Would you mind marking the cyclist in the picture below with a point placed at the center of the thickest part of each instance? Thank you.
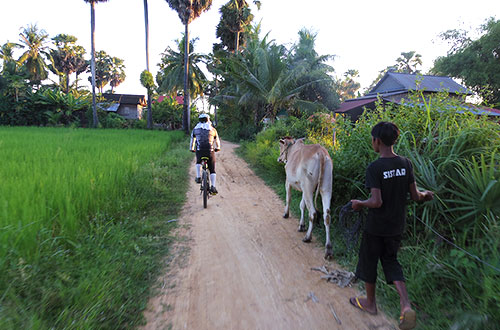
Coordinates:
(205, 142)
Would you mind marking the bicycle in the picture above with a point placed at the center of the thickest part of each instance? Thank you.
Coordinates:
(205, 181)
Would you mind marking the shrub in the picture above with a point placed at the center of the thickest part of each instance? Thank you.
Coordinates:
(456, 155)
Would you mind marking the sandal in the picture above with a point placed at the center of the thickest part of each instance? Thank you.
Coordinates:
(355, 302)
(408, 320)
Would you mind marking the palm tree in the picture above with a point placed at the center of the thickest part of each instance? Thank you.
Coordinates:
(32, 59)
(348, 87)
(261, 82)
(95, 121)
(103, 70)
(81, 65)
(235, 16)
(7, 52)
(66, 58)
(146, 23)
(264, 79)
(170, 77)
(188, 10)
(117, 72)
(13, 76)
(320, 90)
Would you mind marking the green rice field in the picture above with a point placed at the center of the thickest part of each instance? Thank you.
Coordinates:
(82, 222)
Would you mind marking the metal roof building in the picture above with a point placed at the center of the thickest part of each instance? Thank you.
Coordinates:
(394, 87)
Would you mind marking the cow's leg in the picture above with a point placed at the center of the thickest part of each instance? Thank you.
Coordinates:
(325, 199)
(302, 227)
(288, 199)
(308, 197)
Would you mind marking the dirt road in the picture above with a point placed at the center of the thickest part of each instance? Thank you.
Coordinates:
(240, 265)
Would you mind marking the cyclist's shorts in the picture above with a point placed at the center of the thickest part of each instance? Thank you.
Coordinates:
(211, 159)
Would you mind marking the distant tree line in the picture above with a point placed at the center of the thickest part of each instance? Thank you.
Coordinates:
(254, 79)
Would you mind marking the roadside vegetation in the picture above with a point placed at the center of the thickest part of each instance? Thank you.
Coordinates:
(454, 154)
(83, 223)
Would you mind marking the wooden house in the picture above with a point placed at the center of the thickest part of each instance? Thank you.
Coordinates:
(394, 87)
(126, 105)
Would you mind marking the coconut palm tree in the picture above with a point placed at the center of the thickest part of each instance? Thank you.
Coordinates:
(170, 77)
(7, 52)
(12, 74)
(32, 59)
(95, 121)
(321, 93)
(265, 79)
(188, 10)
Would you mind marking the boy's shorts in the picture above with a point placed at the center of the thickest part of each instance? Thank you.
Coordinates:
(374, 248)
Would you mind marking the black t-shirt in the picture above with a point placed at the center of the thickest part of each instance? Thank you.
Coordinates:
(393, 177)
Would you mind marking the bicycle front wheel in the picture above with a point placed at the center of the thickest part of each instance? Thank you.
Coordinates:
(204, 183)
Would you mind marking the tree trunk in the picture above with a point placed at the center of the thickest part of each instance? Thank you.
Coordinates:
(67, 82)
(215, 106)
(186, 115)
(95, 121)
(146, 21)
(237, 42)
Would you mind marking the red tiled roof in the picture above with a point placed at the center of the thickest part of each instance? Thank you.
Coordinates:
(178, 98)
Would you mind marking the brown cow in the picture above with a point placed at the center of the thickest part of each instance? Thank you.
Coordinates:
(308, 169)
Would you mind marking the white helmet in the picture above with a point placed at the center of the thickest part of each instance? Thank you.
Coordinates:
(203, 115)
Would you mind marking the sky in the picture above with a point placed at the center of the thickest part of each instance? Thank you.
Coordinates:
(364, 35)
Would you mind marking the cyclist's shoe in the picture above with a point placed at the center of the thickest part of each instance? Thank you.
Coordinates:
(197, 180)
(213, 191)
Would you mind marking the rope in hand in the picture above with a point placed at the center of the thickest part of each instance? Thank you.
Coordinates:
(351, 223)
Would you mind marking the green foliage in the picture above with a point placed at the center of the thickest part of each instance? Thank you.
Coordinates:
(67, 59)
(167, 113)
(454, 154)
(33, 59)
(347, 87)
(83, 232)
(147, 80)
(113, 120)
(265, 79)
(235, 17)
(188, 10)
(481, 72)
(170, 77)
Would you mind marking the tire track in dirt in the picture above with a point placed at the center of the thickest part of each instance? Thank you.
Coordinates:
(247, 267)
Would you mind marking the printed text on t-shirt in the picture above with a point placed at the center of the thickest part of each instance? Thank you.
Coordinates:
(393, 173)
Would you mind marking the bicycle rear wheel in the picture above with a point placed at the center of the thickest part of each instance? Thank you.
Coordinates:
(204, 183)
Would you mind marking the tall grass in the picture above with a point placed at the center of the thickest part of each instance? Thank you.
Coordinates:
(454, 154)
(82, 223)
(55, 179)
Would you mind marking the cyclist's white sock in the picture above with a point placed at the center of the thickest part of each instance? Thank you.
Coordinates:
(198, 170)
(212, 179)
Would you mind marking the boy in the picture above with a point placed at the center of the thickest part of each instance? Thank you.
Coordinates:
(390, 179)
